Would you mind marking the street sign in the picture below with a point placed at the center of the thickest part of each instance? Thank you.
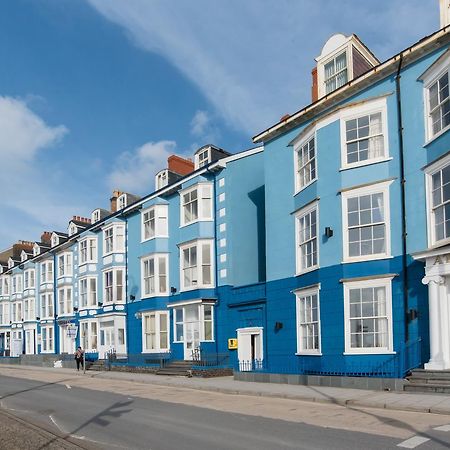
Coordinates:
(72, 330)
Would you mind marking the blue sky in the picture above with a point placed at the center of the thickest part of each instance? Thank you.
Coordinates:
(95, 94)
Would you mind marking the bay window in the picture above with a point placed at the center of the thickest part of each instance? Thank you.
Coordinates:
(196, 203)
(114, 238)
(88, 292)
(155, 222)
(154, 269)
(65, 265)
(196, 264)
(88, 250)
(113, 285)
(65, 305)
(155, 332)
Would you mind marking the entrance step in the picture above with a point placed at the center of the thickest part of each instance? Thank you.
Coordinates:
(422, 380)
(98, 365)
(176, 368)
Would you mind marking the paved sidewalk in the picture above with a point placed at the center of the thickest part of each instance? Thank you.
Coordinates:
(403, 401)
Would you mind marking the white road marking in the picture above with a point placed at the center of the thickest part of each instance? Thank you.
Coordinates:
(442, 428)
(56, 425)
(413, 442)
(68, 387)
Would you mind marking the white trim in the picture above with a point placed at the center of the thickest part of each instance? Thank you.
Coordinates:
(114, 270)
(156, 275)
(375, 188)
(385, 282)
(298, 215)
(88, 279)
(199, 257)
(157, 331)
(161, 222)
(202, 215)
(298, 145)
(378, 105)
(301, 293)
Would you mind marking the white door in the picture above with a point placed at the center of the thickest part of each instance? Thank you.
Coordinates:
(30, 348)
(107, 340)
(250, 348)
(67, 344)
(191, 331)
(16, 343)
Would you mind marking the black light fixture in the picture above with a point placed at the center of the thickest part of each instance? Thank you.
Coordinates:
(173, 289)
(38, 318)
(132, 297)
(278, 326)
(100, 304)
(75, 308)
(328, 232)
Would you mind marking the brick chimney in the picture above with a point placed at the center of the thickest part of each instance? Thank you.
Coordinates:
(46, 237)
(22, 245)
(179, 165)
(82, 219)
(314, 86)
(115, 195)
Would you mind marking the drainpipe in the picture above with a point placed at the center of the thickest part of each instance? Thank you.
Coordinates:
(216, 267)
(403, 197)
(127, 333)
(55, 292)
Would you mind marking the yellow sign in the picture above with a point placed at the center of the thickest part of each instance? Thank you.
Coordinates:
(232, 344)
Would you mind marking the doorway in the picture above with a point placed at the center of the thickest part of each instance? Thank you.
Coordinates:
(250, 348)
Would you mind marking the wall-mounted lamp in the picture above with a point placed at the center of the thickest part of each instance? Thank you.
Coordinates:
(138, 315)
(75, 308)
(100, 304)
(412, 314)
(278, 326)
(56, 316)
(173, 289)
(328, 232)
(132, 297)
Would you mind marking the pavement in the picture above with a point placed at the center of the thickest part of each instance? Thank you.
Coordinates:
(400, 401)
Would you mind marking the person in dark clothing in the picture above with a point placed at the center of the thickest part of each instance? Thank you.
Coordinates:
(79, 357)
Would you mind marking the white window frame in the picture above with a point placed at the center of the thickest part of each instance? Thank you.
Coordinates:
(87, 338)
(298, 245)
(332, 58)
(72, 229)
(429, 172)
(117, 237)
(88, 250)
(156, 332)
(66, 268)
(65, 301)
(201, 319)
(160, 219)
(160, 289)
(162, 179)
(91, 294)
(298, 147)
(203, 215)
(46, 275)
(29, 279)
(201, 160)
(54, 240)
(121, 202)
(114, 286)
(47, 305)
(30, 309)
(95, 216)
(386, 283)
(300, 295)
(17, 284)
(46, 339)
(199, 266)
(431, 77)
(378, 188)
(356, 112)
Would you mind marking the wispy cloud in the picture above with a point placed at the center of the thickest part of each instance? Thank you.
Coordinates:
(252, 59)
(134, 171)
(32, 197)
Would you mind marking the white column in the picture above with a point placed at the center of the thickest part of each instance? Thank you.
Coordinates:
(435, 319)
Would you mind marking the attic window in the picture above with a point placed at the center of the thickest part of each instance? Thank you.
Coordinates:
(336, 74)
(55, 240)
(10, 263)
(95, 216)
(122, 201)
(72, 229)
(161, 179)
(36, 250)
(203, 158)
(23, 257)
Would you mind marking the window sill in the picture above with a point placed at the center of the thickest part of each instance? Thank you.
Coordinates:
(298, 190)
(187, 289)
(439, 244)
(166, 236)
(308, 354)
(310, 269)
(153, 352)
(85, 263)
(150, 296)
(437, 135)
(369, 353)
(210, 219)
(366, 259)
(365, 163)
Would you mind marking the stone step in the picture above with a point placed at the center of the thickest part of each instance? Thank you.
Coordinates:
(441, 381)
(427, 387)
(422, 373)
(180, 373)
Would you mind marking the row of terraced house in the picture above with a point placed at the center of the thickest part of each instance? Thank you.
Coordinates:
(322, 250)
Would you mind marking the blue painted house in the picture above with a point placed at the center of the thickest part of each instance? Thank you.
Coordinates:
(323, 250)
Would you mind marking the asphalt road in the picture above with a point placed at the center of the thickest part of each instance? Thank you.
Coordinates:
(101, 419)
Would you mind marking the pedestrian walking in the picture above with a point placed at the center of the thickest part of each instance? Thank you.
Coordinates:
(79, 357)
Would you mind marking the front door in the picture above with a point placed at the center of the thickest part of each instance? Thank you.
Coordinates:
(107, 341)
(67, 343)
(250, 348)
(30, 342)
(191, 332)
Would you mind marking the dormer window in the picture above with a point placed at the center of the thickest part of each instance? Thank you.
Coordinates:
(162, 179)
(336, 72)
(23, 256)
(203, 158)
(342, 59)
(122, 201)
(72, 229)
(10, 263)
(95, 217)
(55, 240)
(36, 250)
